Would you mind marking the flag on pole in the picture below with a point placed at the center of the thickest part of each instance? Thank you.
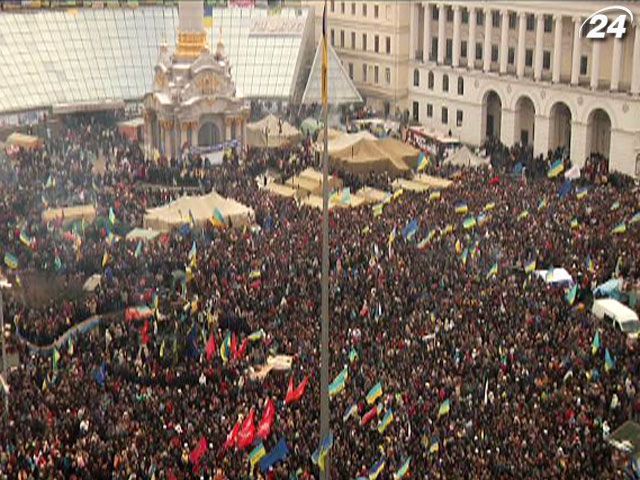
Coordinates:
(574, 223)
(25, 239)
(609, 363)
(591, 267)
(377, 468)
(403, 470)
(349, 412)
(386, 421)
(581, 193)
(461, 208)
(105, 259)
(489, 206)
(377, 209)
(469, 222)
(338, 383)
(493, 271)
(635, 218)
(56, 359)
(138, 251)
(423, 162)
(595, 344)
(530, 267)
(325, 59)
(11, 260)
(353, 355)
(374, 393)
(112, 216)
(571, 294)
(620, 228)
(218, 219)
(256, 455)
(556, 169)
(392, 236)
(257, 335)
(444, 408)
(524, 214)
(320, 455)
(542, 204)
(225, 348)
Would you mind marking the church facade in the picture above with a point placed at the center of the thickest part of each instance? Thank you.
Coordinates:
(194, 101)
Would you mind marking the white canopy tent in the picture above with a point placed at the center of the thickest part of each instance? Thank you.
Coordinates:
(463, 157)
(555, 276)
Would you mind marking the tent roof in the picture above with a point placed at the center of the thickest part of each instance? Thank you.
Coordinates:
(282, 190)
(145, 234)
(23, 140)
(372, 195)
(344, 140)
(369, 155)
(409, 185)
(432, 182)
(464, 157)
(266, 132)
(341, 88)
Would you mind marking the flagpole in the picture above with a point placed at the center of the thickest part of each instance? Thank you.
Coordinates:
(324, 342)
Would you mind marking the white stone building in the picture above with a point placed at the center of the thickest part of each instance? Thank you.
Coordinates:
(524, 71)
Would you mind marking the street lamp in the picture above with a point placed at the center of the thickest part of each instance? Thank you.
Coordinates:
(4, 284)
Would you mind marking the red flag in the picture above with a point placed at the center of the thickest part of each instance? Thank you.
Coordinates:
(232, 436)
(242, 350)
(268, 418)
(295, 395)
(247, 432)
(494, 181)
(197, 453)
(234, 346)
(211, 347)
(144, 333)
(370, 415)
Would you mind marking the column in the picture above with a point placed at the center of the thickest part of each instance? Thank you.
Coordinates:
(504, 41)
(413, 31)
(541, 137)
(486, 67)
(579, 149)
(442, 40)
(426, 41)
(522, 26)
(471, 43)
(508, 127)
(595, 64)
(635, 75)
(557, 49)
(537, 58)
(455, 51)
(227, 129)
(577, 51)
(616, 64)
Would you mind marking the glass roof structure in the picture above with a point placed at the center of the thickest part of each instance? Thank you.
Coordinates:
(84, 56)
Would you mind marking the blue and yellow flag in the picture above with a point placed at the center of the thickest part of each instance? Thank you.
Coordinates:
(423, 162)
(194, 251)
(574, 223)
(609, 362)
(635, 218)
(444, 408)
(530, 267)
(524, 214)
(571, 294)
(620, 228)
(11, 260)
(225, 348)
(461, 208)
(591, 267)
(56, 359)
(493, 271)
(581, 193)
(25, 239)
(374, 393)
(469, 222)
(349, 412)
(595, 344)
(138, 251)
(403, 470)
(435, 195)
(489, 206)
(338, 383)
(392, 236)
(218, 219)
(377, 468)
(325, 59)
(435, 445)
(112, 216)
(208, 16)
(353, 355)
(542, 204)
(556, 169)
(256, 454)
(386, 421)
(257, 335)
(320, 455)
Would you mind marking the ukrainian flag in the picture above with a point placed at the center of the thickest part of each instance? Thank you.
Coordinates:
(489, 206)
(352, 410)
(11, 260)
(444, 408)
(556, 169)
(575, 223)
(435, 445)
(397, 193)
(595, 344)
(581, 193)
(112, 216)
(392, 236)
(571, 295)
(218, 219)
(635, 218)
(374, 393)
(431, 235)
(469, 223)
(481, 219)
(194, 250)
(320, 455)
(338, 383)
(403, 470)
(257, 335)
(377, 468)
(105, 259)
(208, 16)
(386, 421)
(353, 355)
(225, 348)
(530, 267)
(448, 229)
(435, 195)
(465, 255)
(524, 214)
(493, 271)
(256, 454)
(423, 162)
(590, 265)
(620, 228)
(609, 363)
(462, 208)
(24, 238)
(542, 204)
(377, 209)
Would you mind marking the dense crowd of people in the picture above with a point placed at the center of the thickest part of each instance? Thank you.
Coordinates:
(440, 316)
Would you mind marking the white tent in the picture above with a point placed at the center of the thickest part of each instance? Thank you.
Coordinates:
(341, 89)
(201, 208)
(271, 132)
(555, 276)
(463, 157)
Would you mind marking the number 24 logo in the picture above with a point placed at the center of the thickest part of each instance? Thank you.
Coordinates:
(603, 27)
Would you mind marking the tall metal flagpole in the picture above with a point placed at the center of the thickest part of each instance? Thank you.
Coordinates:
(324, 342)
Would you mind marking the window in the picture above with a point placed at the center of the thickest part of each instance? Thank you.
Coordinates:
(388, 45)
(364, 9)
(445, 115)
(351, 70)
(546, 60)
(342, 7)
(494, 53)
(460, 86)
(341, 38)
(480, 18)
(376, 78)
(353, 8)
(434, 48)
(416, 78)
(429, 110)
(376, 43)
(435, 13)
(513, 19)
(430, 81)
(511, 56)
(353, 40)
(465, 16)
(449, 14)
(459, 118)
(364, 72)
(478, 51)
(584, 63)
(448, 51)
(531, 23)
(416, 111)
(364, 41)
(333, 6)
(638, 165)
(528, 57)
(495, 19)
(376, 11)
(333, 38)
(548, 23)
(387, 75)
(463, 49)
(445, 83)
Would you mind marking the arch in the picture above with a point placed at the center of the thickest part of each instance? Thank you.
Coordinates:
(209, 134)
(525, 119)
(460, 86)
(491, 115)
(430, 81)
(560, 118)
(445, 83)
(599, 133)
(416, 78)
